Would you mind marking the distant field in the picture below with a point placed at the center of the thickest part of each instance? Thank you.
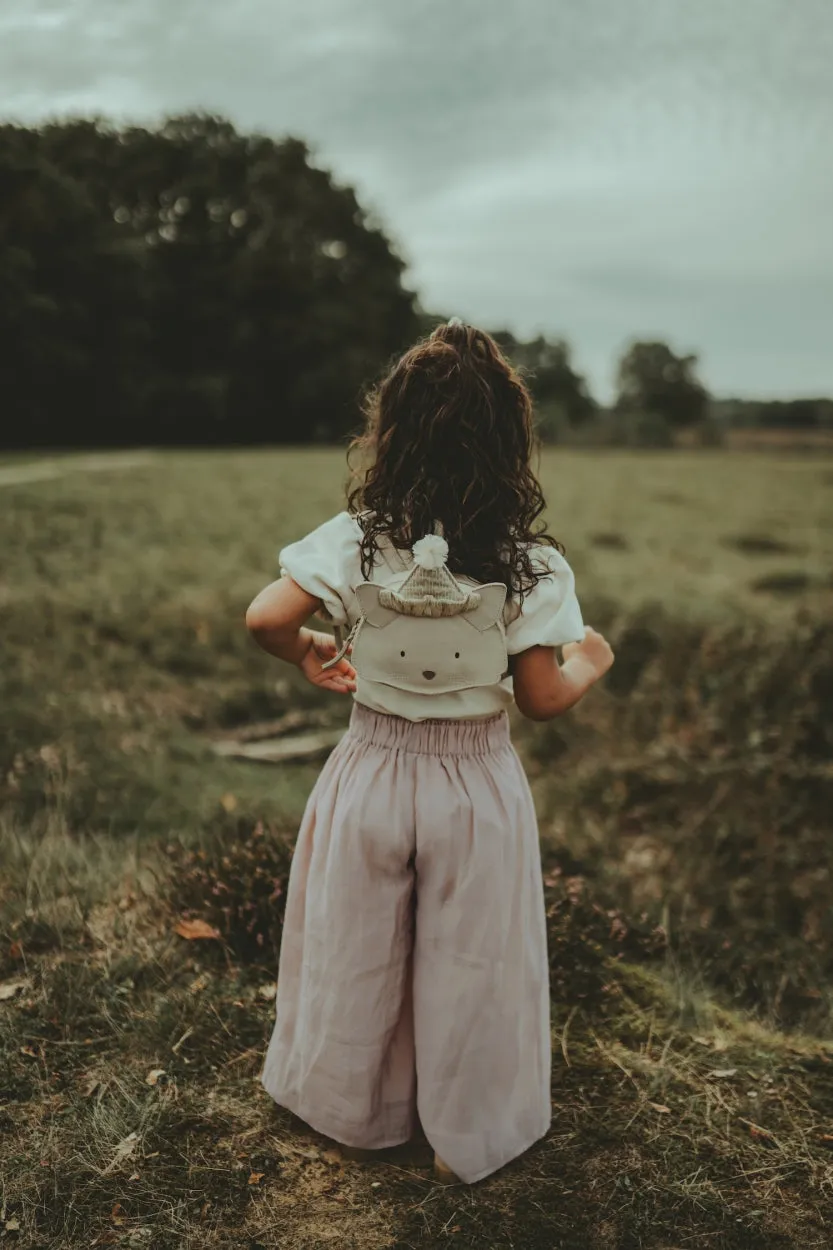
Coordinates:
(696, 532)
(122, 596)
(819, 441)
(685, 828)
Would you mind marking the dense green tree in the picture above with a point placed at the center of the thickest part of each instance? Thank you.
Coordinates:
(653, 380)
(548, 370)
(58, 285)
(186, 284)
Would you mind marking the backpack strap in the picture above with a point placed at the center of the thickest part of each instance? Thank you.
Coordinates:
(342, 644)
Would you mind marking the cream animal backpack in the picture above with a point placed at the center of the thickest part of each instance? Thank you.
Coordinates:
(431, 634)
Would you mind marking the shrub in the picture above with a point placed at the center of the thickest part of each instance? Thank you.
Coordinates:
(239, 889)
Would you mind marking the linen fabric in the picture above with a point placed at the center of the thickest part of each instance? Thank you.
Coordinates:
(413, 972)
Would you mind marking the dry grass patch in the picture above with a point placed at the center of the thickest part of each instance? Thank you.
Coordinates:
(133, 1115)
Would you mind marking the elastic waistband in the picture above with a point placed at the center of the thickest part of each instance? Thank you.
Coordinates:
(430, 737)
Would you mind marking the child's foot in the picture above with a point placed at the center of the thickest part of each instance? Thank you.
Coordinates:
(443, 1173)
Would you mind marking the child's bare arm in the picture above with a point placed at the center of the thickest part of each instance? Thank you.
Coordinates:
(276, 619)
(545, 689)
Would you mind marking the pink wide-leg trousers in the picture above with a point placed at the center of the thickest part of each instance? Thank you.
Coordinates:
(413, 970)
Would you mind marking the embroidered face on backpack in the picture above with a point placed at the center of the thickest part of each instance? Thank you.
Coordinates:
(432, 635)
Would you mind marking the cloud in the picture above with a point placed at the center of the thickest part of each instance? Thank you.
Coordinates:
(591, 168)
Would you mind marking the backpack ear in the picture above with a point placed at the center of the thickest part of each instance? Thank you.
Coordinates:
(373, 612)
(492, 599)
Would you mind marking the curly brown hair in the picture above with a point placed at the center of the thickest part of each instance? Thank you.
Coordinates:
(449, 437)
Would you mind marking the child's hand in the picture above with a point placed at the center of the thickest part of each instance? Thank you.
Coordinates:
(341, 677)
(593, 651)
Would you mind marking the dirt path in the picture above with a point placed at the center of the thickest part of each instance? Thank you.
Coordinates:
(97, 462)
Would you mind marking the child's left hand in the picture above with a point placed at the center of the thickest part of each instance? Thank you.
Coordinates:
(340, 678)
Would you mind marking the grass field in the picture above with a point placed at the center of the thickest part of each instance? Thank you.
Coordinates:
(685, 820)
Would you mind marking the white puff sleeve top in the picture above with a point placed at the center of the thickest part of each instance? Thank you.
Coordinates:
(550, 614)
(326, 563)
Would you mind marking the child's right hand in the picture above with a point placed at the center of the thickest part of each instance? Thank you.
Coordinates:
(594, 650)
(341, 677)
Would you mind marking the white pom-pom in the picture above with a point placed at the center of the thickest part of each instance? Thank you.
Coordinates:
(430, 552)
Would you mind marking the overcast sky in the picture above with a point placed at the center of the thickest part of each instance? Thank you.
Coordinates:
(598, 169)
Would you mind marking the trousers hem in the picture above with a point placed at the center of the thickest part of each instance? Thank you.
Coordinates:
(336, 1130)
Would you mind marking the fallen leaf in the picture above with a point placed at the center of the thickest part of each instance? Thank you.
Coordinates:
(268, 992)
(31, 1052)
(724, 1072)
(199, 983)
(661, 1107)
(154, 1075)
(12, 1226)
(755, 1130)
(256, 1177)
(228, 802)
(193, 929)
(15, 951)
(134, 1176)
(116, 1215)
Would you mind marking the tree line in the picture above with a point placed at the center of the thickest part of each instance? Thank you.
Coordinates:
(188, 284)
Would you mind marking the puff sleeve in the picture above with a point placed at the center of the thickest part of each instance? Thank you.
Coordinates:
(550, 614)
(326, 563)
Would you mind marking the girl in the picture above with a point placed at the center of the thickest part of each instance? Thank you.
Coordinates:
(413, 979)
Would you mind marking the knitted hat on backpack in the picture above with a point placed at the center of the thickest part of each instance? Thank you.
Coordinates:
(430, 589)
